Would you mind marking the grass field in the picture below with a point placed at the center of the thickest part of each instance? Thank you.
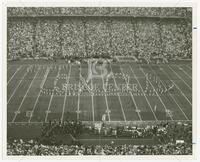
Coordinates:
(28, 103)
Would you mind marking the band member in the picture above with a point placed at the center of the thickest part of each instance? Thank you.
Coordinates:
(103, 118)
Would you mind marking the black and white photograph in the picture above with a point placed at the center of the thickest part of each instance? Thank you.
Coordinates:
(99, 81)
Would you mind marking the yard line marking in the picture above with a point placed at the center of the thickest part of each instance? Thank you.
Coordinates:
(119, 96)
(14, 74)
(132, 96)
(51, 97)
(106, 99)
(184, 71)
(41, 85)
(79, 84)
(171, 95)
(92, 100)
(67, 79)
(17, 87)
(143, 92)
(24, 96)
(177, 86)
(141, 69)
(180, 78)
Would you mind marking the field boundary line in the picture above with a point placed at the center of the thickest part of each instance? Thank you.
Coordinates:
(14, 74)
(41, 85)
(25, 96)
(106, 99)
(171, 95)
(17, 87)
(131, 96)
(46, 116)
(176, 86)
(63, 111)
(92, 97)
(119, 96)
(141, 69)
(143, 93)
(78, 104)
(180, 78)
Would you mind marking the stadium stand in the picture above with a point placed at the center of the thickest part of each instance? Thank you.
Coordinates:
(64, 32)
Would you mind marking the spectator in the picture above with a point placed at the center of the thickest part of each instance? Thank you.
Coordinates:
(166, 133)
(148, 39)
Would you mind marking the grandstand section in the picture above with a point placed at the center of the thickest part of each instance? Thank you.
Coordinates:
(84, 36)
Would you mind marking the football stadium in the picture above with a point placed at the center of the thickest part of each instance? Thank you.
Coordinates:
(99, 81)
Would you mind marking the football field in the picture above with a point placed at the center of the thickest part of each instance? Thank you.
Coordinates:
(40, 92)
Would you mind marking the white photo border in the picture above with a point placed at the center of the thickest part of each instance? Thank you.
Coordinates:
(100, 3)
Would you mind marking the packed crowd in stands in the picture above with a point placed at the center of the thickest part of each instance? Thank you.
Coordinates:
(174, 139)
(72, 32)
(146, 38)
(181, 44)
(123, 39)
(98, 38)
(20, 39)
(20, 147)
(47, 38)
